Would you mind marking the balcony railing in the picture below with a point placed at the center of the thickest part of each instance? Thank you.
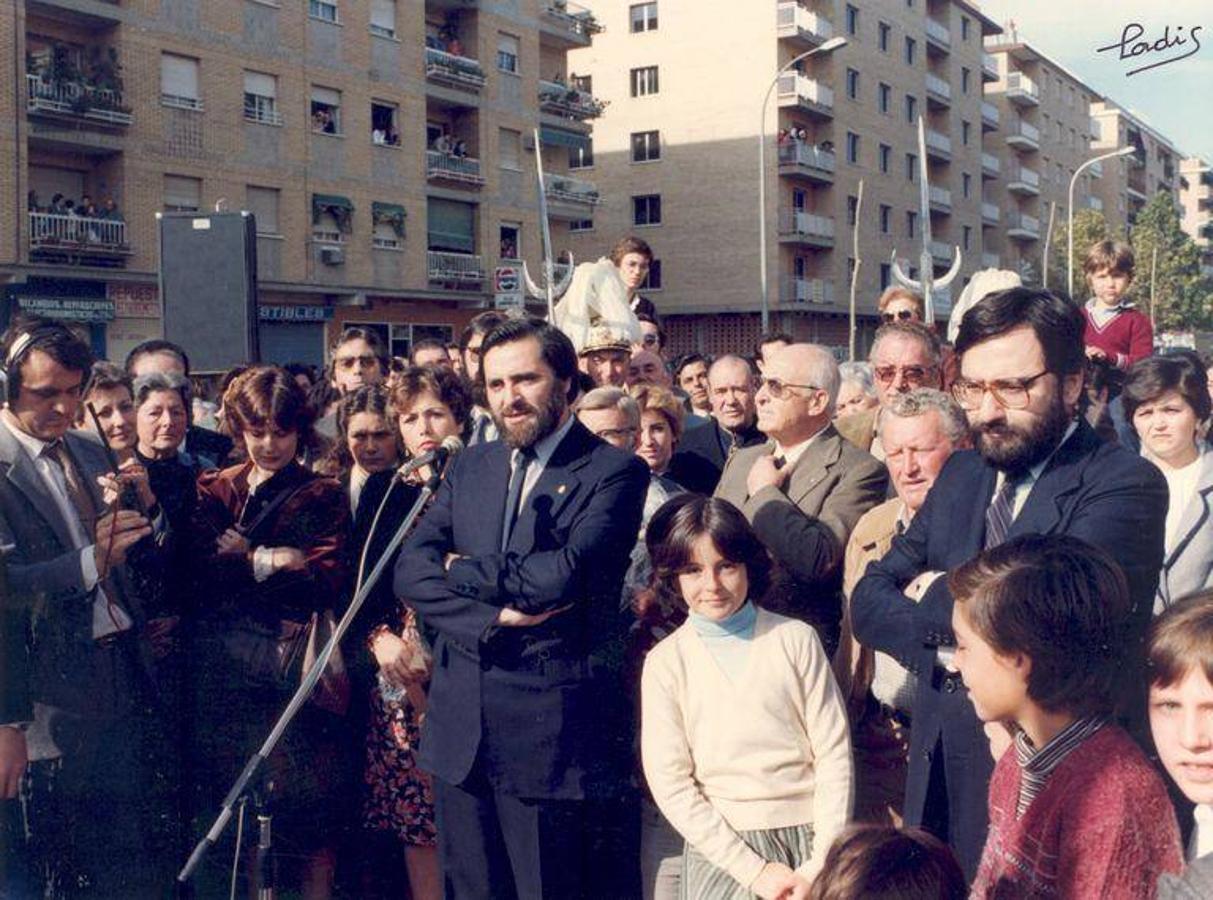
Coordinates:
(940, 198)
(802, 224)
(570, 190)
(578, 21)
(1094, 128)
(938, 89)
(801, 90)
(1093, 202)
(794, 21)
(938, 34)
(1022, 225)
(989, 115)
(1026, 181)
(990, 164)
(807, 290)
(989, 67)
(1096, 169)
(441, 166)
(941, 252)
(1023, 135)
(1022, 89)
(938, 144)
(990, 213)
(802, 153)
(991, 261)
(465, 268)
(76, 238)
(75, 99)
(568, 102)
(447, 68)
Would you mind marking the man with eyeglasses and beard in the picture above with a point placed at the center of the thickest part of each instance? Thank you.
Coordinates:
(805, 488)
(518, 566)
(905, 355)
(1037, 468)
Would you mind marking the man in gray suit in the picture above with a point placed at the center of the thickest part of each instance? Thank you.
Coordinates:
(806, 487)
(80, 666)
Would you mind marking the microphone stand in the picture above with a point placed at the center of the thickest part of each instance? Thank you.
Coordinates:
(307, 684)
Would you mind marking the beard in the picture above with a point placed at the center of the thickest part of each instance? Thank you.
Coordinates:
(546, 417)
(1016, 450)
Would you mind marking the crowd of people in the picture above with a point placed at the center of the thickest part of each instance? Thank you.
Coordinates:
(84, 208)
(935, 625)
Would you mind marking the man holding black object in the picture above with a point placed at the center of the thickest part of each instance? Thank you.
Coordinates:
(517, 566)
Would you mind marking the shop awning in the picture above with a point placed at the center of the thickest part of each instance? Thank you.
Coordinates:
(564, 138)
(390, 213)
(340, 208)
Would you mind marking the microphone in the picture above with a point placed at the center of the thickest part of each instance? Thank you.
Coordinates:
(436, 457)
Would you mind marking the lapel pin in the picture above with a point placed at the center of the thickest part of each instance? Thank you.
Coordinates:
(560, 489)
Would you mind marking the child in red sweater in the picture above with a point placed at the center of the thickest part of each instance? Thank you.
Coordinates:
(1075, 808)
(1116, 331)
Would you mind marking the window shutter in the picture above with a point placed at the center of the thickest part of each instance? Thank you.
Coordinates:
(179, 76)
(260, 84)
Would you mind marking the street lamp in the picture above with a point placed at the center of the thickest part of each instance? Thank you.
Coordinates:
(832, 44)
(1121, 151)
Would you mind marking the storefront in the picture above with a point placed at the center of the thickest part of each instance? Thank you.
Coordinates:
(76, 301)
(292, 333)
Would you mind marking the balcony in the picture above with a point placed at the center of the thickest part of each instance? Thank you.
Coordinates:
(989, 67)
(802, 159)
(454, 268)
(1023, 181)
(817, 291)
(75, 100)
(802, 92)
(1136, 193)
(1022, 90)
(942, 253)
(77, 240)
(798, 25)
(991, 261)
(1095, 170)
(940, 199)
(939, 146)
(570, 198)
(446, 167)
(796, 226)
(990, 213)
(566, 102)
(990, 165)
(939, 39)
(1022, 227)
(460, 72)
(1094, 129)
(939, 92)
(566, 24)
(1023, 135)
(989, 116)
(96, 15)
(1093, 202)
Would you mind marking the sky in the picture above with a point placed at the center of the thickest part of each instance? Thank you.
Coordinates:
(1175, 99)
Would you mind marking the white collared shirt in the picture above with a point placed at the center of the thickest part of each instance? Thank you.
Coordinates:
(1024, 489)
(1201, 843)
(544, 448)
(791, 455)
(357, 482)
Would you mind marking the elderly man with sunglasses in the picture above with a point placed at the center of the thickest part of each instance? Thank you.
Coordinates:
(905, 355)
(805, 488)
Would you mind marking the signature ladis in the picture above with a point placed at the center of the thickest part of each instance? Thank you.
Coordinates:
(1134, 45)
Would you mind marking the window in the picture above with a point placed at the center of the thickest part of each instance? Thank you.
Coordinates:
(886, 275)
(964, 79)
(646, 209)
(261, 98)
(966, 237)
(884, 32)
(507, 53)
(652, 281)
(263, 204)
(911, 166)
(911, 223)
(450, 226)
(884, 96)
(911, 109)
(383, 18)
(644, 17)
(886, 155)
(964, 28)
(383, 123)
(646, 146)
(324, 10)
(509, 149)
(911, 46)
(182, 194)
(582, 157)
(966, 181)
(384, 236)
(852, 210)
(965, 129)
(852, 148)
(853, 83)
(852, 20)
(886, 215)
(644, 81)
(511, 240)
(581, 225)
(179, 81)
(326, 110)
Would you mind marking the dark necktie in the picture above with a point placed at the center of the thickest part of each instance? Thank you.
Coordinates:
(1001, 513)
(514, 494)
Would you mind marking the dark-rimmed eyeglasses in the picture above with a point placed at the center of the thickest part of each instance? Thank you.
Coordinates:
(1009, 393)
(916, 375)
(902, 315)
(776, 388)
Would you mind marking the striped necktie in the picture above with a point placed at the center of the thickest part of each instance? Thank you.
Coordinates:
(1001, 513)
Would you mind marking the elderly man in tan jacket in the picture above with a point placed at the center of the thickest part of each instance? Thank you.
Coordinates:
(919, 431)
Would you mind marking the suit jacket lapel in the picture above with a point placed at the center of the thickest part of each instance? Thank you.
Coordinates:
(24, 476)
(814, 464)
(556, 485)
(1196, 514)
(1063, 475)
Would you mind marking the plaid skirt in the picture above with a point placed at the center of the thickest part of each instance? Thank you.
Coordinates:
(701, 880)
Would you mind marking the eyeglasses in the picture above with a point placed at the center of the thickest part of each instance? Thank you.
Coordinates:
(915, 375)
(776, 388)
(1009, 393)
(351, 362)
(903, 315)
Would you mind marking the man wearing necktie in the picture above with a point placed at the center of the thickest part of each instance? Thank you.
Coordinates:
(82, 667)
(517, 567)
(805, 489)
(1037, 468)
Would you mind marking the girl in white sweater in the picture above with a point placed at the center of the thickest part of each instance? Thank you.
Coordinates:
(744, 734)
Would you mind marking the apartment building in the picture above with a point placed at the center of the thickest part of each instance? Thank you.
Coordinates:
(1196, 197)
(677, 158)
(1130, 182)
(1046, 134)
(385, 148)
